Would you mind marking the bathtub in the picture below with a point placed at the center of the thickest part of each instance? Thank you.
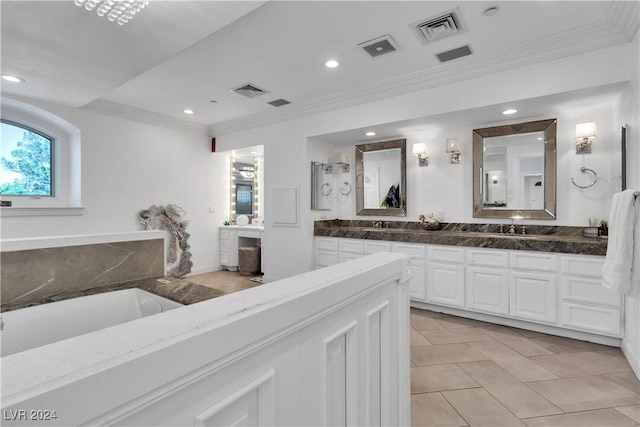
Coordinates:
(39, 325)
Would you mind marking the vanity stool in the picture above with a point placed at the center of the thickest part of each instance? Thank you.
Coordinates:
(249, 260)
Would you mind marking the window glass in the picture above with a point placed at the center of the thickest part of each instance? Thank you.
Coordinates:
(26, 162)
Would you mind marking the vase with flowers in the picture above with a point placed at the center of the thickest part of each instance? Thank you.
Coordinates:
(429, 221)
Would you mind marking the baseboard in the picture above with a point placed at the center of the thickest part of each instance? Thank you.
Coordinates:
(631, 356)
(203, 270)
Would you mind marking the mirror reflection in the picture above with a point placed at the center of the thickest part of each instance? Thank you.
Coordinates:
(514, 170)
(243, 186)
(380, 178)
(321, 186)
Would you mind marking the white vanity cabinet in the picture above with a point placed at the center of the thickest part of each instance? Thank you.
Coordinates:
(235, 236)
(533, 286)
(558, 292)
(487, 282)
(445, 275)
(418, 265)
(585, 304)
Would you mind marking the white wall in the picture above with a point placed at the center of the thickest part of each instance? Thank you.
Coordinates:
(128, 166)
(631, 340)
(446, 187)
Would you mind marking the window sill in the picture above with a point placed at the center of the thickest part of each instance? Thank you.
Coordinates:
(40, 211)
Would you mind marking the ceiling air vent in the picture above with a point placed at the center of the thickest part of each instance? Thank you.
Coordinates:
(441, 26)
(249, 90)
(279, 102)
(456, 53)
(379, 46)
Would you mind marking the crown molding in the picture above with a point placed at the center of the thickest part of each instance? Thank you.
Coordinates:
(619, 28)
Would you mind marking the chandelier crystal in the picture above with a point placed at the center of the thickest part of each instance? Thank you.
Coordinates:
(120, 11)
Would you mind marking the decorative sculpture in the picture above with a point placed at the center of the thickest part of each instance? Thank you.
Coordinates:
(169, 218)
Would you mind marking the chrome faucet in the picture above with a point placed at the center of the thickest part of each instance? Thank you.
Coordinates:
(524, 229)
(501, 229)
(377, 224)
(512, 229)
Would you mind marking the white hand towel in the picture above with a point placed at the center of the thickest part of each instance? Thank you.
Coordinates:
(616, 273)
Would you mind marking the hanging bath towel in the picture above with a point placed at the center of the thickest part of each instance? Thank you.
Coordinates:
(616, 273)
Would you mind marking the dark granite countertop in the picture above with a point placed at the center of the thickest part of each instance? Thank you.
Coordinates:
(179, 290)
(558, 239)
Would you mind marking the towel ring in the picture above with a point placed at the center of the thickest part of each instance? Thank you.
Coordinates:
(325, 189)
(345, 189)
(584, 170)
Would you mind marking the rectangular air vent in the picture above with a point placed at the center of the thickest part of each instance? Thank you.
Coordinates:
(454, 53)
(379, 46)
(438, 27)
(249, 90)
(279, 102)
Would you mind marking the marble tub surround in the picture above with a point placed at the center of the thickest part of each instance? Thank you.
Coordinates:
(37, 274)
(179, 290)
(541, 238)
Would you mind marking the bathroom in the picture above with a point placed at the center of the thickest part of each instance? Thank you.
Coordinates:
(175, 164)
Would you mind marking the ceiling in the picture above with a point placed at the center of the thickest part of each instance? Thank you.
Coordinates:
(175, 55)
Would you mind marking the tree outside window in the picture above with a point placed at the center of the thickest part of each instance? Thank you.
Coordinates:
(25, 162)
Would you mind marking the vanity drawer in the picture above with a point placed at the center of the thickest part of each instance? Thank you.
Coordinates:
(324, 259)
(534, 261)
(327, 243)
(413, 250)
(224, 234)
(373, 246)
(602, 320)
(353, 246)
(582, 266)
(488, 258)
(224, 245)
(589, 290)
(446, 254)
(224, 258)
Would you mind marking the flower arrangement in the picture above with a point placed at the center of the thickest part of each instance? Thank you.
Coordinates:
(429, 221)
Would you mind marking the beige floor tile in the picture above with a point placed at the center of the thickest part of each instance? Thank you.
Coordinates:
(425, 379)
(567, 365)
(458, 335)
(512, 361)
(452, 322)
(597, 418)
(508, 390)
(420, 322)
(417, 339)
(568, 345)
(426, 313)
(585, 393)
(523, 345)
(527, 333)
(632, 411)
(626, 379)
(444, 354)
(433, 410)
(479, 408)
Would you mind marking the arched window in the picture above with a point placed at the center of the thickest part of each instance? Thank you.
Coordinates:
(39, 162)
(26, 161)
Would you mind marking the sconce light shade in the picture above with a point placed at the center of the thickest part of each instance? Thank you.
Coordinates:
(585, 135)
(342, 161)
(420, 151)
(453, 148)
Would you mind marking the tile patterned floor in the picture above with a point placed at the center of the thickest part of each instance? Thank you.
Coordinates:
(470, 373)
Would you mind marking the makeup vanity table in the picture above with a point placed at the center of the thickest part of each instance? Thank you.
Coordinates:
(233, 237)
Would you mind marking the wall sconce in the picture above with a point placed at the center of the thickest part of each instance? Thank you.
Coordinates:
(585, 135)
(420, 151)
(453, 148)
(342, 161)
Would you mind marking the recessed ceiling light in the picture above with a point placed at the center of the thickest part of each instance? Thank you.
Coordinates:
(332, 63)
(490, 11)
(510, 111)
(188, 111)
(12, 79)
(370, 133)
